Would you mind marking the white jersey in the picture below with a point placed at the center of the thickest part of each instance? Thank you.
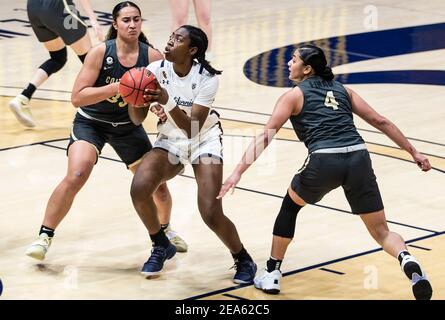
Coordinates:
(197, 87)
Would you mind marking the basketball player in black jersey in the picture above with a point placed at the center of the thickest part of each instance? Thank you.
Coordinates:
(103, 118)
(320, 110)
(56, 23)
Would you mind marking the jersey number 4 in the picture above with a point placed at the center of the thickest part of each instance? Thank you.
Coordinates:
(330, 101)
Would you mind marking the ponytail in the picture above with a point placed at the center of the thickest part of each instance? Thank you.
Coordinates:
(327, 74)
(201, 59)
(199, 39)
(112, 33)
(315, 57)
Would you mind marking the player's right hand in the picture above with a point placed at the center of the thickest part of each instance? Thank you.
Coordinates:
(422, 161)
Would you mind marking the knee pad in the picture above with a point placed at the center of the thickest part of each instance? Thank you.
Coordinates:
(285, 222)
(57, 61)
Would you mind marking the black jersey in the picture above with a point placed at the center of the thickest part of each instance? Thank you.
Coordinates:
(114, 109)
(325, 120)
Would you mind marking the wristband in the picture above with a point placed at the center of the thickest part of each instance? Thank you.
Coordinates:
(170, 105)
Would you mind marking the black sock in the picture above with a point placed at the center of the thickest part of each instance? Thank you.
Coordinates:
(402, 254)
(29, 90)
(164, 226)
(159, 239)
(410, 267)
(243, 255)
(273, 264)
(82, 57)
(48, 231)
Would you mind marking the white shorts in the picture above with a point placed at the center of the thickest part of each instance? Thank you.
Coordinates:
(206, 145)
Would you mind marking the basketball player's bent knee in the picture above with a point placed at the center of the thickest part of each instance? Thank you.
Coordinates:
(285, 222)
(211, 221)
(141, 189)
(76, 179)
(56, 62)
(210, 216)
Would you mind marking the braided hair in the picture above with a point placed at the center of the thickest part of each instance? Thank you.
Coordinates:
(199, 39)
(315, 57)
(112, 32)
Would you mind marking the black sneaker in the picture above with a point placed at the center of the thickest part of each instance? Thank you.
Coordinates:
(245, 271)
(422, 289)
(155, 262)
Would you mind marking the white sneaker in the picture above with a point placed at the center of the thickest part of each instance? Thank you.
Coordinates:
(19, 106)
(38, 248)
(269, 282)
(177, 241)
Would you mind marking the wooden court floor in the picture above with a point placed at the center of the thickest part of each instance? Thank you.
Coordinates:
(100, 246)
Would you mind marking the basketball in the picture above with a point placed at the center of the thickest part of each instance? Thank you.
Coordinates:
(133, 83)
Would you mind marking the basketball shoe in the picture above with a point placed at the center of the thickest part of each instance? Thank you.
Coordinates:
(20, 107)
(245, 271)
(39, 247)
(269, 282)
(177, 241)
(155, 262)
(421, 286)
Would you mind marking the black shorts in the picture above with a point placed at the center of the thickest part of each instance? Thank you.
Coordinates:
(129, 141)
(51, 19)
(353, 171)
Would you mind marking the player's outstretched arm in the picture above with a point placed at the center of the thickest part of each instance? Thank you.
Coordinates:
(367, 113)
(288, 104)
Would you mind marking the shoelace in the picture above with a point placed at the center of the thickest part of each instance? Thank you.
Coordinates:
(237, 265)
(157, 253)
(45, 241)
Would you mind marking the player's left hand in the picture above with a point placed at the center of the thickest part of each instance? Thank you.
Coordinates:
(158, 110)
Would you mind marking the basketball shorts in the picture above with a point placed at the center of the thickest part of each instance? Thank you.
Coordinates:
(56, 18)
(129, 141)
(323, 172)
(205, 147)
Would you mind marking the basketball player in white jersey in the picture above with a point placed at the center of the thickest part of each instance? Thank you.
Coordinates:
(190, 133)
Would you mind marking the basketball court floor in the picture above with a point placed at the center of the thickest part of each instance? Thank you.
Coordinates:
(392, 53)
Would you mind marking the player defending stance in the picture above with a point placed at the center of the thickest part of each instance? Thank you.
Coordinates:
(320, 110)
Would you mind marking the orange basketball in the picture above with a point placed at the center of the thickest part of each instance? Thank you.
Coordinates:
(133, 83)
